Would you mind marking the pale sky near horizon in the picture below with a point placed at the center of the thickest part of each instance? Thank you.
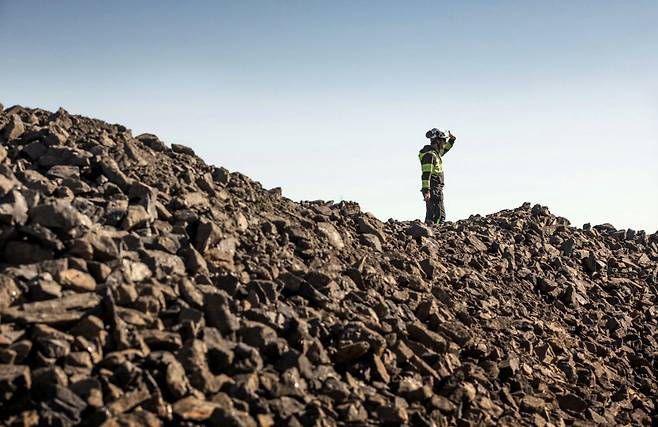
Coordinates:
(552, 102)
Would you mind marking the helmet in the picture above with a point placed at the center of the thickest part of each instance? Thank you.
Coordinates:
(435, 133)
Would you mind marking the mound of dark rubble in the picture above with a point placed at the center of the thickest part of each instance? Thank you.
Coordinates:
(140, 286)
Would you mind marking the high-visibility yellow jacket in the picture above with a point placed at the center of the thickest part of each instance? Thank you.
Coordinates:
(431, 164)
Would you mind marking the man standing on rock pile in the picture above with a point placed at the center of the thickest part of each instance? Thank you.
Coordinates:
(432, 177)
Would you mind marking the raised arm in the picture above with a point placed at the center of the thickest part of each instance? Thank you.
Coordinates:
(448, 145)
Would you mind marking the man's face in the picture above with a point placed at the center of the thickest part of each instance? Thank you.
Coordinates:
(438, 143)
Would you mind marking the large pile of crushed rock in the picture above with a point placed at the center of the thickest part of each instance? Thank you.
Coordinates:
(140, 286)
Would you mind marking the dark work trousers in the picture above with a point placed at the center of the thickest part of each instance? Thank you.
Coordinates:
(435, 210)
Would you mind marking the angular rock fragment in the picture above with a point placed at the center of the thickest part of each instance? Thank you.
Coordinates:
(89, 390)
(129, 401)
(350, 353)
(177, 383)
(114, 174)
(178, 148)
(417, 230)
(152, 141)
(13, 208)
(136, 217)
(233, 418)
(193, 357)
(368, 227)
(61, 406)
(257, 334)
(61, 216)
(571, 402)
(418, 332)
(76, 280)
(331, 234)
(509, 367)
(9, 291)
(14, 128)
(193, 409)
(14, 379)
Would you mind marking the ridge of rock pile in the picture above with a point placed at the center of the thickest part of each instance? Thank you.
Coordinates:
(140, 286)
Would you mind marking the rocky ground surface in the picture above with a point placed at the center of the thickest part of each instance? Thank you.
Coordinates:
(140, 286)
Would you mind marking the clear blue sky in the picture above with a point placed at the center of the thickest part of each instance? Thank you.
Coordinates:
(552, 102)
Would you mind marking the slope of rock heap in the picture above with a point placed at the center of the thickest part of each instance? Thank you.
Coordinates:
(140, 286)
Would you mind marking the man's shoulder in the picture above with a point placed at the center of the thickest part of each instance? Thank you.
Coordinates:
(426, 149)
(427, 154)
